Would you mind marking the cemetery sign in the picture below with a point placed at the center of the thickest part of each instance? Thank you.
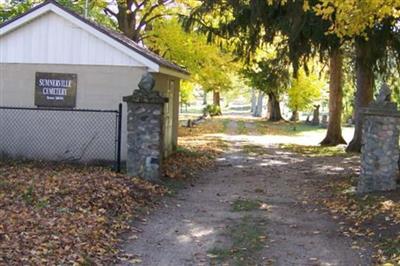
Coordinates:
(55, 90)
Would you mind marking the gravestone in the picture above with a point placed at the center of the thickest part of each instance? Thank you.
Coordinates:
(324, 121)
(145, 130)
(380, 149)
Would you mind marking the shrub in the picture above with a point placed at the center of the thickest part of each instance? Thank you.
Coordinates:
(212, 110)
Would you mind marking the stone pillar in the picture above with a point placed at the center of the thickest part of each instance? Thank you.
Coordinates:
(380, 149)
(145, 131)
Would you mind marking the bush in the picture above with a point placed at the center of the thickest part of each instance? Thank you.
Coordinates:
(212, 110)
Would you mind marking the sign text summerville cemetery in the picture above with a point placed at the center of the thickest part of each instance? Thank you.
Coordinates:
(55, 90)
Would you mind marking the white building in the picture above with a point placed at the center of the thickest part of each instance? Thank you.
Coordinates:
(51, 40)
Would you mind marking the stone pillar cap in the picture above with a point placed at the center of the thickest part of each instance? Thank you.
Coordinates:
(382, 105)
(146, 92)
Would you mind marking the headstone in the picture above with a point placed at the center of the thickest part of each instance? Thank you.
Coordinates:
(380, 149)
(145, 130)
(315, 120)
(324, 121)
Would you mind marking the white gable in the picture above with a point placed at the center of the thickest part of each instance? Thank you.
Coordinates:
(51, 39)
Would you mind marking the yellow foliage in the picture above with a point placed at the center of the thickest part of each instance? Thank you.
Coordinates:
(352, 17)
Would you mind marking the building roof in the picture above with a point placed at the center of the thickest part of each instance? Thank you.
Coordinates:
(33, 13)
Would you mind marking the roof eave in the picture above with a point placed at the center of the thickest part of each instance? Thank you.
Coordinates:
(50, 5)
(174, 73)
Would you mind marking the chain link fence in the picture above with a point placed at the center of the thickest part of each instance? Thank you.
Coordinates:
(61, 135)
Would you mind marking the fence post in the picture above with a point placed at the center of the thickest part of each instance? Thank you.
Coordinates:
(119, 138)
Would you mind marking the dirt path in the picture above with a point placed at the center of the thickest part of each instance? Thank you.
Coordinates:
(255, 208)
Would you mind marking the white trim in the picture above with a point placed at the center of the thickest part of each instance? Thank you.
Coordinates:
(136, 56)
(172, 72)
(50, 7)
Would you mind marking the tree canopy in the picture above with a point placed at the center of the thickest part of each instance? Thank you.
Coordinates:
(305, 91)
(210, 66)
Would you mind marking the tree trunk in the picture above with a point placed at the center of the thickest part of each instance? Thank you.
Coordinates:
(295, 116)
(216, 98)
(258, 110)
(217, 102)
(274, 109)
(334, 132)
(126, 21)
(253, 101)
(315, 119)
(364, 92)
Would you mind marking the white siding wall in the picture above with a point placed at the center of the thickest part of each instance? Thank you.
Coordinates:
(51, 39)
(99, 87)
(57, 44)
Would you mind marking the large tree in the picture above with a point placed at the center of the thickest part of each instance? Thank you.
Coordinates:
(132, 17)
(135, 17)
(297, 31)
(272, 77)
(334, 132)
(210, 67)
(374, 27)
(304, 93)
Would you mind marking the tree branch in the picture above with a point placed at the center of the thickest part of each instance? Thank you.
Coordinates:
(110, 12)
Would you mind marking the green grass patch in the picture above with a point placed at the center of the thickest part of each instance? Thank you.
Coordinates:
(241, 205)
(225, 124)
(284, 128)
(222, 144)
(391, 251)
(247, 240)
(188, 152)
(315, 151)
(254, 149)
(241, 128)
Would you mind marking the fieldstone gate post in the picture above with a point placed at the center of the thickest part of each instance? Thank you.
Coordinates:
(145, 130)
(380, 150)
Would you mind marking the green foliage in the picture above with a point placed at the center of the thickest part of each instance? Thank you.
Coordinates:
(305, 91)
(14, 8)
(95, 10)
(297, 33)
(212, 110)
(268, 73)
(186, 92)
